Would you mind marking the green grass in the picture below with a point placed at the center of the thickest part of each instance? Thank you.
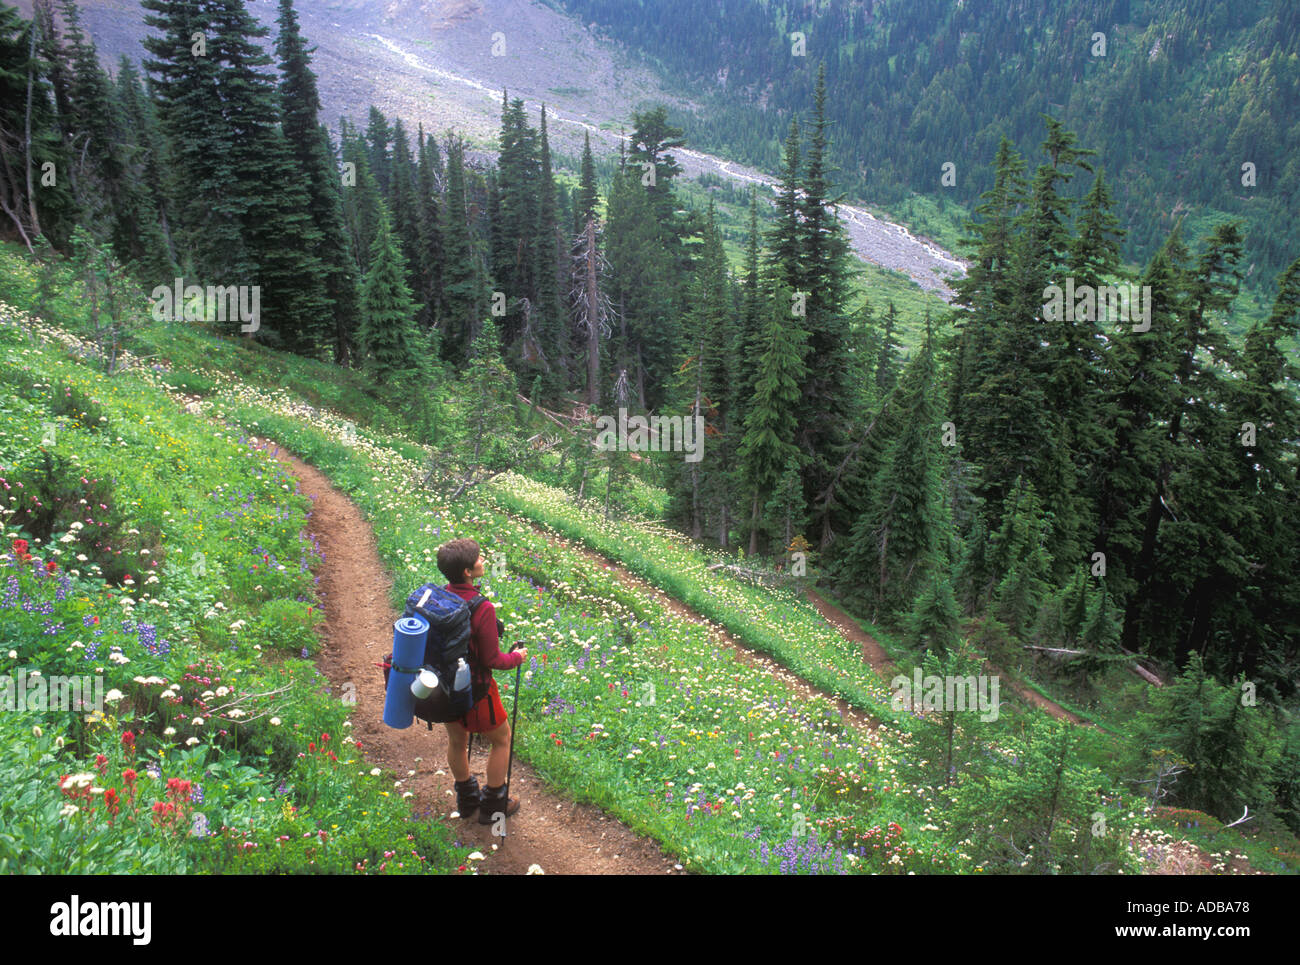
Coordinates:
(196, 619)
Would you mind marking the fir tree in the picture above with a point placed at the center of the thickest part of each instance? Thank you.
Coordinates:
(552, 330)
(588, 196)
(934, 619)
(463, 305)
(887, 363)
(902, 533)
(827, 391)
(390, 341)
(310, 145)
(768, 441)
(702, 386)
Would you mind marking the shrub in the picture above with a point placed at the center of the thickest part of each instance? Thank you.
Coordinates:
(70, 401)
(52, 498)
(286, 625)
(1226, 743)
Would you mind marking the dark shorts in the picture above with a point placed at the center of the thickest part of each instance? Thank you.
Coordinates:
(488, 714)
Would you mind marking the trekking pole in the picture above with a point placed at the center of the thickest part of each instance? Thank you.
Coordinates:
(510, 762)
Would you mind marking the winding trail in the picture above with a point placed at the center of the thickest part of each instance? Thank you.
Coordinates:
(875, 655)
(560, 835)
(744, 653)
(550, 830)
(872, 652)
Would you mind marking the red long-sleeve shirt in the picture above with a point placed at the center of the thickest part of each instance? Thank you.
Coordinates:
(484, 645)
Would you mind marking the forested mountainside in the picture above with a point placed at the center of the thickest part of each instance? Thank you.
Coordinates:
(1175, 95)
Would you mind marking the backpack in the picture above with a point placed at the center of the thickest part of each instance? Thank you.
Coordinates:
(449, 619)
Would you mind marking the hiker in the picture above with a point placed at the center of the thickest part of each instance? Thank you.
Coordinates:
(461, 563)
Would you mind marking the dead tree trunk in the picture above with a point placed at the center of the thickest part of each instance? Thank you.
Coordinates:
(31, 189)
(593, 320)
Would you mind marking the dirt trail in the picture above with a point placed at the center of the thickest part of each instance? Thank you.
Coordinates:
(744, 653)
(875, 655)
(549, 830)
(872, 652)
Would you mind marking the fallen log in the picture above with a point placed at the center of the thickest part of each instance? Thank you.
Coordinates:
(1136, 667)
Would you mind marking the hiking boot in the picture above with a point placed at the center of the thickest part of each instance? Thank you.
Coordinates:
(468, 797)
(494, 803)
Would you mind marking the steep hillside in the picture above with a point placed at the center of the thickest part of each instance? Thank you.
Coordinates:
(1175, 96)
(433, 63)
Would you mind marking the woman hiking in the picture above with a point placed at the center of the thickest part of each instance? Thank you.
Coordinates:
(461, 563)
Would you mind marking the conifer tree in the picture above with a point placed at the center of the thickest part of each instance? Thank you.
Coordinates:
(767, 444)
(429, 249)
(985, 296)
(902, 533)
(702, 387)
(887, 362)
(310, 145)
(94, 131)
(588, 196)
(974, 580)
(827, 392)
(391, 343)
(209, 200)
(463, 290)
(515, 261)
(403, 203)
(934, 621)
(784, 241)
(1200, 292)
(553, 332)
(750, 317)
(1018, 559)
(144, 161)
(26, 107)
(378, 136)
(785, 512)
(1205, 724)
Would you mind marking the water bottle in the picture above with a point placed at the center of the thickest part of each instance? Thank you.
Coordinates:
(462, 676)
(425, 684)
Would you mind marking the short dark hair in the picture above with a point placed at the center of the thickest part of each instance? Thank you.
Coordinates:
(456, 557)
